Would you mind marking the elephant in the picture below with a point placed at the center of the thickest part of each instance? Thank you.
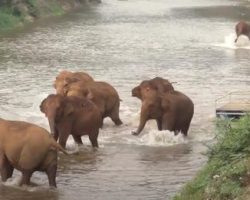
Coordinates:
(102, 94)
(72, 116)
(151, 104)
(160, 84)
(155, 106)
(178, 110)
(242, 28)
(65, 78)
(27, 148)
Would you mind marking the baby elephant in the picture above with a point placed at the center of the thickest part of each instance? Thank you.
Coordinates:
(72, 116)
(27, 148)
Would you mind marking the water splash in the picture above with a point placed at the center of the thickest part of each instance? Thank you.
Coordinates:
(243, 42)
(162, 138)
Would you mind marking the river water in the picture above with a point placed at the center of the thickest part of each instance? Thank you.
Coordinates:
(189, 42)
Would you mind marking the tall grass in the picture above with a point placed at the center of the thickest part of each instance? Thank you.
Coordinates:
(227, 172)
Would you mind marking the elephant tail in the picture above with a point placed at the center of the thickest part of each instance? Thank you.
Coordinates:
(55, 145)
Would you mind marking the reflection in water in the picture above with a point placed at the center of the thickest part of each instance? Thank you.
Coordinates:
(123, 43)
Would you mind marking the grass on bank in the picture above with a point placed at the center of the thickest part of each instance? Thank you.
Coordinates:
(8, 19)
(15, 15)
(226, 176)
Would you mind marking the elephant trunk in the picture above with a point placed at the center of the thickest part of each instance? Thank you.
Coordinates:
(52, 126)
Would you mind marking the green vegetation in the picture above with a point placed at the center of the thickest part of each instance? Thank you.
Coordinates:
(7, 18)
(16, 14)
(227, 173)
(56, 9)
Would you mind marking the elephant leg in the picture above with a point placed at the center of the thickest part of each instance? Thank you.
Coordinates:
(176, 132)
(51, 173)
(168, 122)
(93, 138)
(6, 169)
(159, 124)
(26, 177)
(77, 139)
(184, 130)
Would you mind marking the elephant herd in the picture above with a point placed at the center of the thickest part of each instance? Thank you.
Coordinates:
(78, 108)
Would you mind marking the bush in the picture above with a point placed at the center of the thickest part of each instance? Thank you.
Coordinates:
(7, 19)
(227, 172)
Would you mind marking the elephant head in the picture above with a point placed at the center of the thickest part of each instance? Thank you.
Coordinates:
(65, 78)
(76, 89)
(162, 85)
(158, 84)
(145, 90)
(136, 92)
(55, 107)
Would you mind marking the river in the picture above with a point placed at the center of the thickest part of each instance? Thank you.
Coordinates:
(189, 42)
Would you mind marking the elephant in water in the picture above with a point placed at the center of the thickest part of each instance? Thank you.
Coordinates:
(161, 102)
(242, 28)
(102, 94)
(178, 110)
(72, 116)
(27, 148)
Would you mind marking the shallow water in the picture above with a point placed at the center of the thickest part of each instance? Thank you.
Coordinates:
(123, 43)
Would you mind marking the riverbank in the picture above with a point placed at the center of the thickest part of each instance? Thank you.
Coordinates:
(227, 172)
(16, 13)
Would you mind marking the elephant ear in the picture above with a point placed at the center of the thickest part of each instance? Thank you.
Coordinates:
(68, 109)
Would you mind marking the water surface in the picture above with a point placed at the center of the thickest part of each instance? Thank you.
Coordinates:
(123, 43)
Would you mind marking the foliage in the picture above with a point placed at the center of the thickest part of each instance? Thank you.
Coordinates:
(227, 172)
(13, 14)
(55, 8)
(7, 19)
(33, 9)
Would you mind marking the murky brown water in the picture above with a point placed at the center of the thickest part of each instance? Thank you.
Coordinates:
(124, 42)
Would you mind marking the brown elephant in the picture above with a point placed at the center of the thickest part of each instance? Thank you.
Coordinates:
(160, 84)
(65, 78)
(27, 148)
(151, 104)
(242, 28)
(154, 104)
(102, 94)
(72, 116)
(178, 110)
